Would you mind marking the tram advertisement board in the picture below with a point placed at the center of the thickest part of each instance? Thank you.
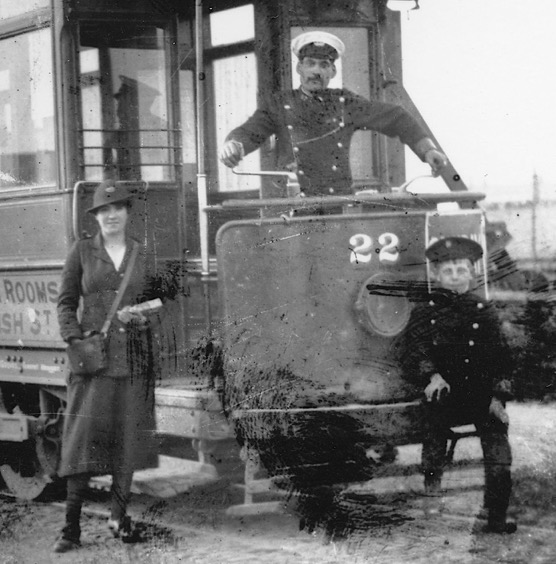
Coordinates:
(28, 309)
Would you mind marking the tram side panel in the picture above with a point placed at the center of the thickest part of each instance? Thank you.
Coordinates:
(33, 362)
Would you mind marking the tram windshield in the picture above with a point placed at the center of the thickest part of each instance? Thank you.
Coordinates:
(27, 139)
(127, 132)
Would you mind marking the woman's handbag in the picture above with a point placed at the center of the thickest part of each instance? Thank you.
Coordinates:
(88, 356)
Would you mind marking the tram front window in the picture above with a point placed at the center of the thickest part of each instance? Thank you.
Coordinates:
(125, 104)
(27, 144)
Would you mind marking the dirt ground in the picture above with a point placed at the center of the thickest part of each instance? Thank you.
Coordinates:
(406, 527)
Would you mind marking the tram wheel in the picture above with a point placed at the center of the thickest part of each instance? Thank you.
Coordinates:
(21, 486)
(29, 468)
(24, 476)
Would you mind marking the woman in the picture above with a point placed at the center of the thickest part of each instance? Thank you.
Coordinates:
(109, 421)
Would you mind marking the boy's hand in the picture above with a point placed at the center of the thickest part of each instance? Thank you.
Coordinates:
(436, 388)
(503, 390)
(498, 413)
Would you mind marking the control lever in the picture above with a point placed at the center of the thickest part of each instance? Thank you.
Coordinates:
(293, 189)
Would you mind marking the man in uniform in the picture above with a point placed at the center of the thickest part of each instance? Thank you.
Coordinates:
(314, 124)
(454, 350)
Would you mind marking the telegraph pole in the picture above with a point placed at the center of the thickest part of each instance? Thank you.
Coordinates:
(535, 204)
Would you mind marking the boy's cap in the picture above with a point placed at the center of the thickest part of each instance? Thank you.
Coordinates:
(454, 248)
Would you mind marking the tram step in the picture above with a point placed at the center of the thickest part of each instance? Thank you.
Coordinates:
(455, 479)
(172, 477)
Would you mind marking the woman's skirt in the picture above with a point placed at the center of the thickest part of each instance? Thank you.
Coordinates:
(109, 425)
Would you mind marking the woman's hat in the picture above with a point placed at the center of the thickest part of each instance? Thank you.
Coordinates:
(454, 248)
(109, 192)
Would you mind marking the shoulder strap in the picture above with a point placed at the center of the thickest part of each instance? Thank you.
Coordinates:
(121, 289)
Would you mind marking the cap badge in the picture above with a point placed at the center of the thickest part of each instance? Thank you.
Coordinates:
(110, 189)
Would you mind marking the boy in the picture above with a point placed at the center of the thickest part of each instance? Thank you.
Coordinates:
(454, 349)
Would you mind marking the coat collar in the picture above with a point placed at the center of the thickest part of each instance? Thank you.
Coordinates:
(99, 251)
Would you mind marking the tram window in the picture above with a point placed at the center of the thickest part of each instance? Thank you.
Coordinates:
(235, 99)
(232, 26)
(27, 140)
(127, 132)
(10, 9)
(353, 73)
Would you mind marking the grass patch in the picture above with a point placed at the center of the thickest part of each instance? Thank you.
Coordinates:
(11, 518)
(534, 494)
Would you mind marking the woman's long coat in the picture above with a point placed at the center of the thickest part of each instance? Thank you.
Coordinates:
(109, 421)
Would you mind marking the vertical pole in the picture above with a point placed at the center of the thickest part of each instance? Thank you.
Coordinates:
(201, 172)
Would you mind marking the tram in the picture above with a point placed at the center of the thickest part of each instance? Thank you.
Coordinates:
(146, 90)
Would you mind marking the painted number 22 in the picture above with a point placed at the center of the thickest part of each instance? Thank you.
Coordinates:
(362, 248)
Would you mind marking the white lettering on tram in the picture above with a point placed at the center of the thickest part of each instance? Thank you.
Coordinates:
(361, 248)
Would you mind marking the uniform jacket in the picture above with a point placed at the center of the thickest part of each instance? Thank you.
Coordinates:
(457, 336)
(314, 133)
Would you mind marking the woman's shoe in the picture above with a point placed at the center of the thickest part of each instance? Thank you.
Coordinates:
(123, 529)
(65, 545)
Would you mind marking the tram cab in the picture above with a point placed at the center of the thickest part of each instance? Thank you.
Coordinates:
(145, 91)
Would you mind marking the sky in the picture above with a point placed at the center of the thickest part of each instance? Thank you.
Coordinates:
(483, 74)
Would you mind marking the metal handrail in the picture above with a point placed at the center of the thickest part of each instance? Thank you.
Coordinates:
(388, 200)
(75, 206)
(297, 199)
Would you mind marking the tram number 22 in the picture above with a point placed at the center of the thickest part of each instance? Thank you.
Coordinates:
(362, 248)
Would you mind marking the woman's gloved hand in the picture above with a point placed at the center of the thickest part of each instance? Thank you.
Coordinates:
(127, 315)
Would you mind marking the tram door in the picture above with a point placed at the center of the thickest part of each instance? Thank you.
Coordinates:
(130, 132)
